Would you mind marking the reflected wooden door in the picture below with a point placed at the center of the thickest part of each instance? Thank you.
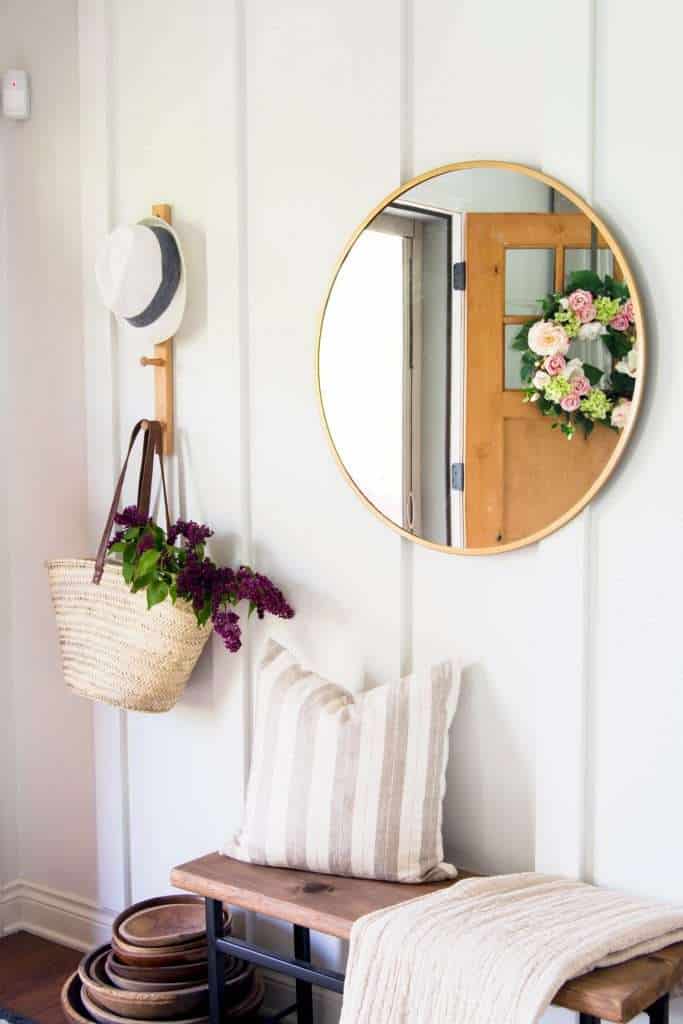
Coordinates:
(520, 475)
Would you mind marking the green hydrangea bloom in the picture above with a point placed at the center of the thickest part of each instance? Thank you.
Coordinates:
(557, 388)
(606, 309)
(596, 405)
(569, 321)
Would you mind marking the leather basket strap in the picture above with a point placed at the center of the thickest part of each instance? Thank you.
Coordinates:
(153, 445)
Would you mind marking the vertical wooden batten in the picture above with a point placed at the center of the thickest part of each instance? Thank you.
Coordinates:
(98, 171)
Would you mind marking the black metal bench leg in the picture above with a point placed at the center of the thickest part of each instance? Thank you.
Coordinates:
(304, 990)
(214, 930)
(587, 1018)
(659, 1011)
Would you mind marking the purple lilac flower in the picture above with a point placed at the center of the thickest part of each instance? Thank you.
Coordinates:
(223, 587)
(194, 533)
(145, 543)
(195, 581)
(131, 517)
(226, 625)
(262, 593)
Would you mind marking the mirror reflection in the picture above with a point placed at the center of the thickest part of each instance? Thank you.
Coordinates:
(478, 358)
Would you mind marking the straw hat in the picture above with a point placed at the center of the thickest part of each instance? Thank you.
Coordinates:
(140, 273)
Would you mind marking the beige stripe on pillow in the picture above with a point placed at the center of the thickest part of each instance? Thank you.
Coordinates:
(348, 784)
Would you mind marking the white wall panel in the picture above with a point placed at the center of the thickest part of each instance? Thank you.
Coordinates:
(474, 96)
(639, 701)
(185, 769)
(323, 145)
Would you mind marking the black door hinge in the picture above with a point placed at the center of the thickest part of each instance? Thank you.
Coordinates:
(459, 276)
(458, 476)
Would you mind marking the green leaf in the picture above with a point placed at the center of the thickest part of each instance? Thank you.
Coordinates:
(128, 570)
(593, 373)
(587, 426)
(622, 384)
(159, 536)
(129, 552)
(616, 289)
(147, 562)
(617, 344)
(252, 609)
(520, 344)
(173, 591)
(204, 614)
(132, 533)
(587, 279)
(156, 593)
(117, 548)
(140, 582)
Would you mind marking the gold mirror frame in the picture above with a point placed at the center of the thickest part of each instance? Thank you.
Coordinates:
(610, 466)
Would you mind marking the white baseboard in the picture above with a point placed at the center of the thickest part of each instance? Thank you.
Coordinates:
(59, 916)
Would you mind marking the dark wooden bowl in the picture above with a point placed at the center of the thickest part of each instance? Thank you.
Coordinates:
(185, 1002)
(251, 1003)
(72, 1005)
(103, 1016)
(158, 985)
(198, 971)
(155, 984)
(76, 1012)
(163, 921)
(159, 956)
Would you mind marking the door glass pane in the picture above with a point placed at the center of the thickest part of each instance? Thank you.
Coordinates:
(529, 276)
(580, 259)
(513, 360)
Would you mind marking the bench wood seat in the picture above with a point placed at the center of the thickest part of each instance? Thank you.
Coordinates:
(330, 904)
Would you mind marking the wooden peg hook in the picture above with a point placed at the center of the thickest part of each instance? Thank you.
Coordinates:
(162, 361)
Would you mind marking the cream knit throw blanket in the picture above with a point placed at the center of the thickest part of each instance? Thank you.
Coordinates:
(493, 950)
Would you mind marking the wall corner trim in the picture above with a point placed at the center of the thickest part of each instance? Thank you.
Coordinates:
(59, 916)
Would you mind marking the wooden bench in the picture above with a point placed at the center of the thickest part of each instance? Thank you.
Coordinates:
(330, 904)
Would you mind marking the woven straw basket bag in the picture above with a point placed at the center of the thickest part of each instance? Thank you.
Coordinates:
(113, 649)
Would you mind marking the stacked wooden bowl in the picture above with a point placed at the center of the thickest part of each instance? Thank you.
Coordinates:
(156, 969)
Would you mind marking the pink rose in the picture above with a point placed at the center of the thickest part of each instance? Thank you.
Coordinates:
(580, 385)
(555, 364)
(547, 338)
(620, 322)
(571, 402)
(580, 300)
(621, 413)
(628, 311)
(587, 314)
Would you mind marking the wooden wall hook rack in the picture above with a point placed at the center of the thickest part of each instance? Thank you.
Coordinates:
(162, 361)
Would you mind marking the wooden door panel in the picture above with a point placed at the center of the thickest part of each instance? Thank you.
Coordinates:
(530, 462)
(520, 475)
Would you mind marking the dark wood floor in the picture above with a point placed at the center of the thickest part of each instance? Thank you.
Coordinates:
(32, 972)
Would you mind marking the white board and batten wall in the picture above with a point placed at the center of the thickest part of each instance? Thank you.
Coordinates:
(272, 129)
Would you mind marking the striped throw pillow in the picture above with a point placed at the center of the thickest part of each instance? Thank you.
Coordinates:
(348, 784)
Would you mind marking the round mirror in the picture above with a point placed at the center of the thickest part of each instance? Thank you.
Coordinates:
(480, 357)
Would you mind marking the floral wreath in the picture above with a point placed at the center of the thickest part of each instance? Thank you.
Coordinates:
(572, 391)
